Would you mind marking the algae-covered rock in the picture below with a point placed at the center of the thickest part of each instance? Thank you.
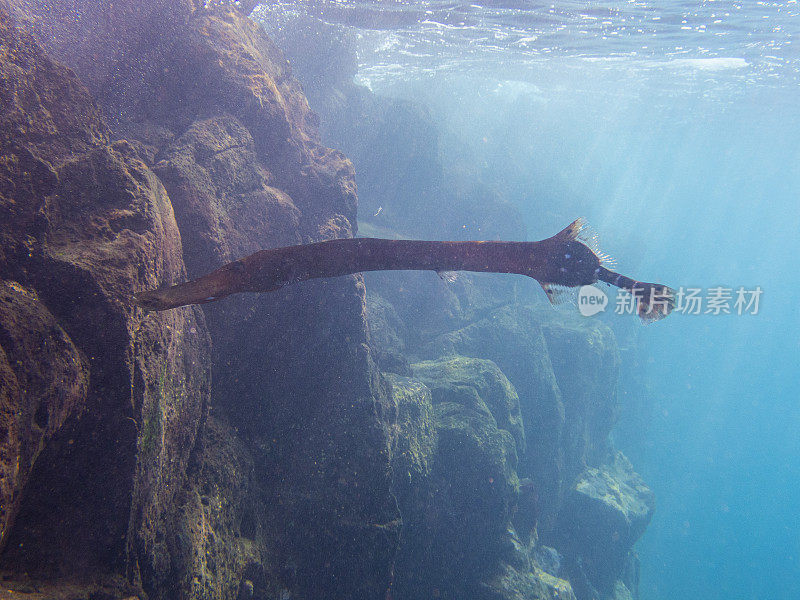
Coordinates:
(564, 369)
(221, 194)
(478, 385)
(43, 383)
(110, 465)
(387, 334)
(108, 401)
(293, 373)
(413, 434)
(220, 504)
(477, 462)
(620, 592)
(513, 584)
(604, 514)
(512, 337)
(455, 478)
(213, 105)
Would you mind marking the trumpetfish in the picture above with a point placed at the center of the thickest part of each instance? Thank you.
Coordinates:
(569, 259)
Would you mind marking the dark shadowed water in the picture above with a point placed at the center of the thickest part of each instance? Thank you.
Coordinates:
(675, 128)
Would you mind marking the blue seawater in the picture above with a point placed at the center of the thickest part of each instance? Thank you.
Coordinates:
(675, 128)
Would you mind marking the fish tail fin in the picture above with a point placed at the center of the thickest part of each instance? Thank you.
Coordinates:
(654, 301)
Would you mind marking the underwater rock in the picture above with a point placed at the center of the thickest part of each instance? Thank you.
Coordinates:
(456, 486)
(564, 369)
(421, 301)
(221, 194)
(85, 223)
(621, 592)
(429, 304)
(512, 337)
(513, 584)
(393, 143)
(93, 36)
(43, 384)
(414, 440)
(111, 464)
(585, 360)
(217, 506)
(478, 385)
(387, 333)
(209, 103)
(603, 515)
(548, 559)
(294, 377)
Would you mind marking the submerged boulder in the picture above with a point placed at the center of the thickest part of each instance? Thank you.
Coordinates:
(294, 376)
(112, 467)
(477, 385)
(604, 514)
(454, 465)
(585, 360)
(43, 384)
(387, 333)
(564, 369)
(106, 401)
(454, 477)
(514, 584)
(512, 337)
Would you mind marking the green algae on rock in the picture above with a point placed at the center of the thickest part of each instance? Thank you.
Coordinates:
(455, 479)
(478, 385)
(456, 485)
(604, 514)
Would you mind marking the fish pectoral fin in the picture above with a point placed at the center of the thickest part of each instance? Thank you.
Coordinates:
(448, 276)
(559, 295)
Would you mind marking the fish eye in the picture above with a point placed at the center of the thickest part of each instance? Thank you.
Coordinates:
(568, 255)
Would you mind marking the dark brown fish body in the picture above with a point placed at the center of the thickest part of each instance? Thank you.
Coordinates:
(561, 260)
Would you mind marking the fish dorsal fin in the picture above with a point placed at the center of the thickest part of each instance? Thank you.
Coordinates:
(580, 230)
(571, 232)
